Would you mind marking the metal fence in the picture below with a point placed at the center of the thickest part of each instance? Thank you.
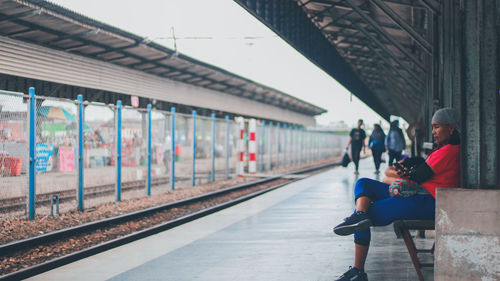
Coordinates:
(83, 154)
(14, 162)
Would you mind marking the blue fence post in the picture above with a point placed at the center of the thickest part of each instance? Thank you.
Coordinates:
(270, 145)
(290, 148)
(316, 147)
(296, 145)
(285, 126)
(80, 153)
(32, 155)
(278, 145)
(213, 146)
(119, 151)
(194, 147)
(228, 149)
(172, 110)
(319, 140)
(301, 145)
(290, 145)
(306, 144)
(149, 148)
(263, 145)
(311, 147)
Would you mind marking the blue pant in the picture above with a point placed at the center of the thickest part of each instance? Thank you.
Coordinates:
(385, 209)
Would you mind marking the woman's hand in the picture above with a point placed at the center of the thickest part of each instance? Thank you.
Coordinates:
(401, 170)
(393, 172)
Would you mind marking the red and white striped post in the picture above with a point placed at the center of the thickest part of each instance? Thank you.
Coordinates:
(252, 147)
(241, 146)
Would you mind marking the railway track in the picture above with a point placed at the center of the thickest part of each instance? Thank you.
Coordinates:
(17, 204)
(185, 210)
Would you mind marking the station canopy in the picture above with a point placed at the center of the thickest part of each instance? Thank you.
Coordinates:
(52, 26)
(380, 50)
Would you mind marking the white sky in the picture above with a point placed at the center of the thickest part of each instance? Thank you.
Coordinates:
(267, 60)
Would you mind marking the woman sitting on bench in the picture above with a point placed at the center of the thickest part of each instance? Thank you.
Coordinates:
(379, 203)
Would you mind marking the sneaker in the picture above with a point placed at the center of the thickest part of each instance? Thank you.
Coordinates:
(356, 222)
(356, 172)
(353, 274)
(377, 172)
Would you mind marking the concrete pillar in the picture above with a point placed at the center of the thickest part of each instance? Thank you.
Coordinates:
(467, 235)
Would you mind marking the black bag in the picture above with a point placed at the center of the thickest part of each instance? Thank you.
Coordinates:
(346, 160)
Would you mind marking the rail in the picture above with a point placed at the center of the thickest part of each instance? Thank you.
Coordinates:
(64, 233)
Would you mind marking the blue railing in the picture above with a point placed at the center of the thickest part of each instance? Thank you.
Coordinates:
(154, 149)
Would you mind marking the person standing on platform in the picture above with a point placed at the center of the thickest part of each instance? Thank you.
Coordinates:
(357, 142)
(395, 142)
(376, 143)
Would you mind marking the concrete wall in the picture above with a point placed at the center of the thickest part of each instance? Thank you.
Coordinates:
(467, 235)
(33, 61)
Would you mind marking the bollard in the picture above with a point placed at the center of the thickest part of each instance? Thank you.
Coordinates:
(52, 198)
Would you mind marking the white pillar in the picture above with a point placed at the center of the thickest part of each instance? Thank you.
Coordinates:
(252, 146)
(241, 146)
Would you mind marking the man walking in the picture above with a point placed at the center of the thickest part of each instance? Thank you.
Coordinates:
(357, 142)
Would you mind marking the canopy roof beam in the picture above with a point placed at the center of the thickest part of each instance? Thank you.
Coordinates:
(384, 33)
(71, 36)
(399, 21)
(391, 54)
(20, 15)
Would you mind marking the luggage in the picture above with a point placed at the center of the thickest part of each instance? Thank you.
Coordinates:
(346, 159)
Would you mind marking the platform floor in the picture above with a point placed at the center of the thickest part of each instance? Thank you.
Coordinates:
(283, 235)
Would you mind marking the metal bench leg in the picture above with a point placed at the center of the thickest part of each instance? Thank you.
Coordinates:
(412, 250)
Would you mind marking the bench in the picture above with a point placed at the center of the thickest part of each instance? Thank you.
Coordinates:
(402, 229)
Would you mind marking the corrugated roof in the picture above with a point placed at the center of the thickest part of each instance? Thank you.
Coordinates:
(52, 26)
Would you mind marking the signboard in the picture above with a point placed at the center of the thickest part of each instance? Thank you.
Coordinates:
(66, 159)
(135, 101)
(44, 154)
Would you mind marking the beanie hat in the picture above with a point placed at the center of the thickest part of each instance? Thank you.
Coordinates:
(446, 115)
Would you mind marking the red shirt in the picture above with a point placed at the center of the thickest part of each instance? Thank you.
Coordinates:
(445, 163)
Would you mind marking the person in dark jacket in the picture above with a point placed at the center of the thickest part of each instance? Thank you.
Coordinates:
(376, 144)
(395, 142)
